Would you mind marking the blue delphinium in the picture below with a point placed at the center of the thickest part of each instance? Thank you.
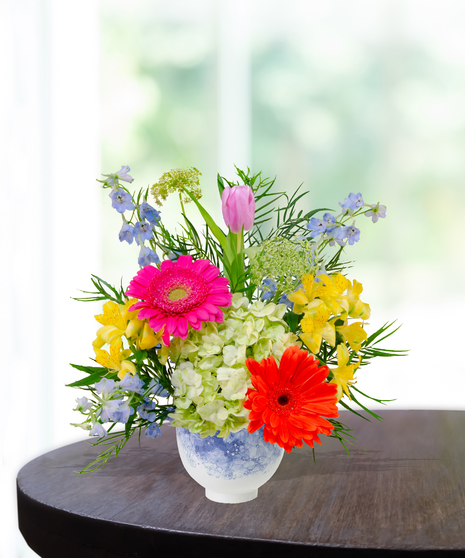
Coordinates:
(352, 233)
(121, 200)
(109, 409)
(147, 256)
(145, 409)
(153, 430)
(142, 231)
(150, 213)
(83, 404)
(157, 389)
(126, 233)
(98, 430)
(123, 412)
(316, 226)
(270, 289)
(352, 202)
(336, 234)
(376, 212)
(328, 220)
(122, 174)
(131, 383)
(105, 387)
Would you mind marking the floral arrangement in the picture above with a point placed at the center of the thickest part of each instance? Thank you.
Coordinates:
(247, 324)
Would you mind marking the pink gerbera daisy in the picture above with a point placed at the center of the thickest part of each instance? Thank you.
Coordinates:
(179, 294)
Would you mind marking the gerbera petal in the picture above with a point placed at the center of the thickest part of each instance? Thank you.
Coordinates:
(210, 273)
(209, 307)
(137, 306)
(201, 314)
(165, 264)
(184, 261)
(171, 324)
(219, 299)
(156, 323)
(182, 327)
(283, 432)
(200, 266)
(252, 365)
(166, 337)
(274, 420)
(147, 313)
(254, 426)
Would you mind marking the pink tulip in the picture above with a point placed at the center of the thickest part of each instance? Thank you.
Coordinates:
(238, 208)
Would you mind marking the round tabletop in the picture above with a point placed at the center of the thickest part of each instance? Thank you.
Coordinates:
(404, 493)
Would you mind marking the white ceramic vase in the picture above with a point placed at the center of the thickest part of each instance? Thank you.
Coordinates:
(230, 469)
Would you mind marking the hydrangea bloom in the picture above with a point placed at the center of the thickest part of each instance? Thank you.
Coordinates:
(211, 378)
(179, 295)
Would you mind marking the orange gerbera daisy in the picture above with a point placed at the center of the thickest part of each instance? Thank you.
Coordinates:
(291, 400)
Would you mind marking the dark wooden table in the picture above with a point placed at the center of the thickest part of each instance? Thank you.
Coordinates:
(404, 497)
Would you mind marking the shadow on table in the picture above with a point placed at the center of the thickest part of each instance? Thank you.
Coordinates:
(300, 463)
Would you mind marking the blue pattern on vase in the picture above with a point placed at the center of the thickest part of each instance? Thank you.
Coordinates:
(238, 455)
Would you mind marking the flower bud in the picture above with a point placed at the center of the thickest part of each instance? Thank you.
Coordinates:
(238, 208)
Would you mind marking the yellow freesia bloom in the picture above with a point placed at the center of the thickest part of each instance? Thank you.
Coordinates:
(354, 334)
(116, 359)
(343, 375)
(304, 296)
(315, 326)
(117, 321)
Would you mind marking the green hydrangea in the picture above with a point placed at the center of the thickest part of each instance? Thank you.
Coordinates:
(174, 181)
(283, 261)
(211, 378)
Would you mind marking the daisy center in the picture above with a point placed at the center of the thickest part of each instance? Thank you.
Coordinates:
(177, 294)
(283, 400)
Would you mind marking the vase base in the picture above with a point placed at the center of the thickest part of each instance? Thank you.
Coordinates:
(235, 498)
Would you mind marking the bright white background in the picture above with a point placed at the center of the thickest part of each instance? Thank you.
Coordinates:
(345, 96)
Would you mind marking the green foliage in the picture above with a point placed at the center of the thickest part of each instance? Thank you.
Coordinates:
(103, 291)
(93, 378)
